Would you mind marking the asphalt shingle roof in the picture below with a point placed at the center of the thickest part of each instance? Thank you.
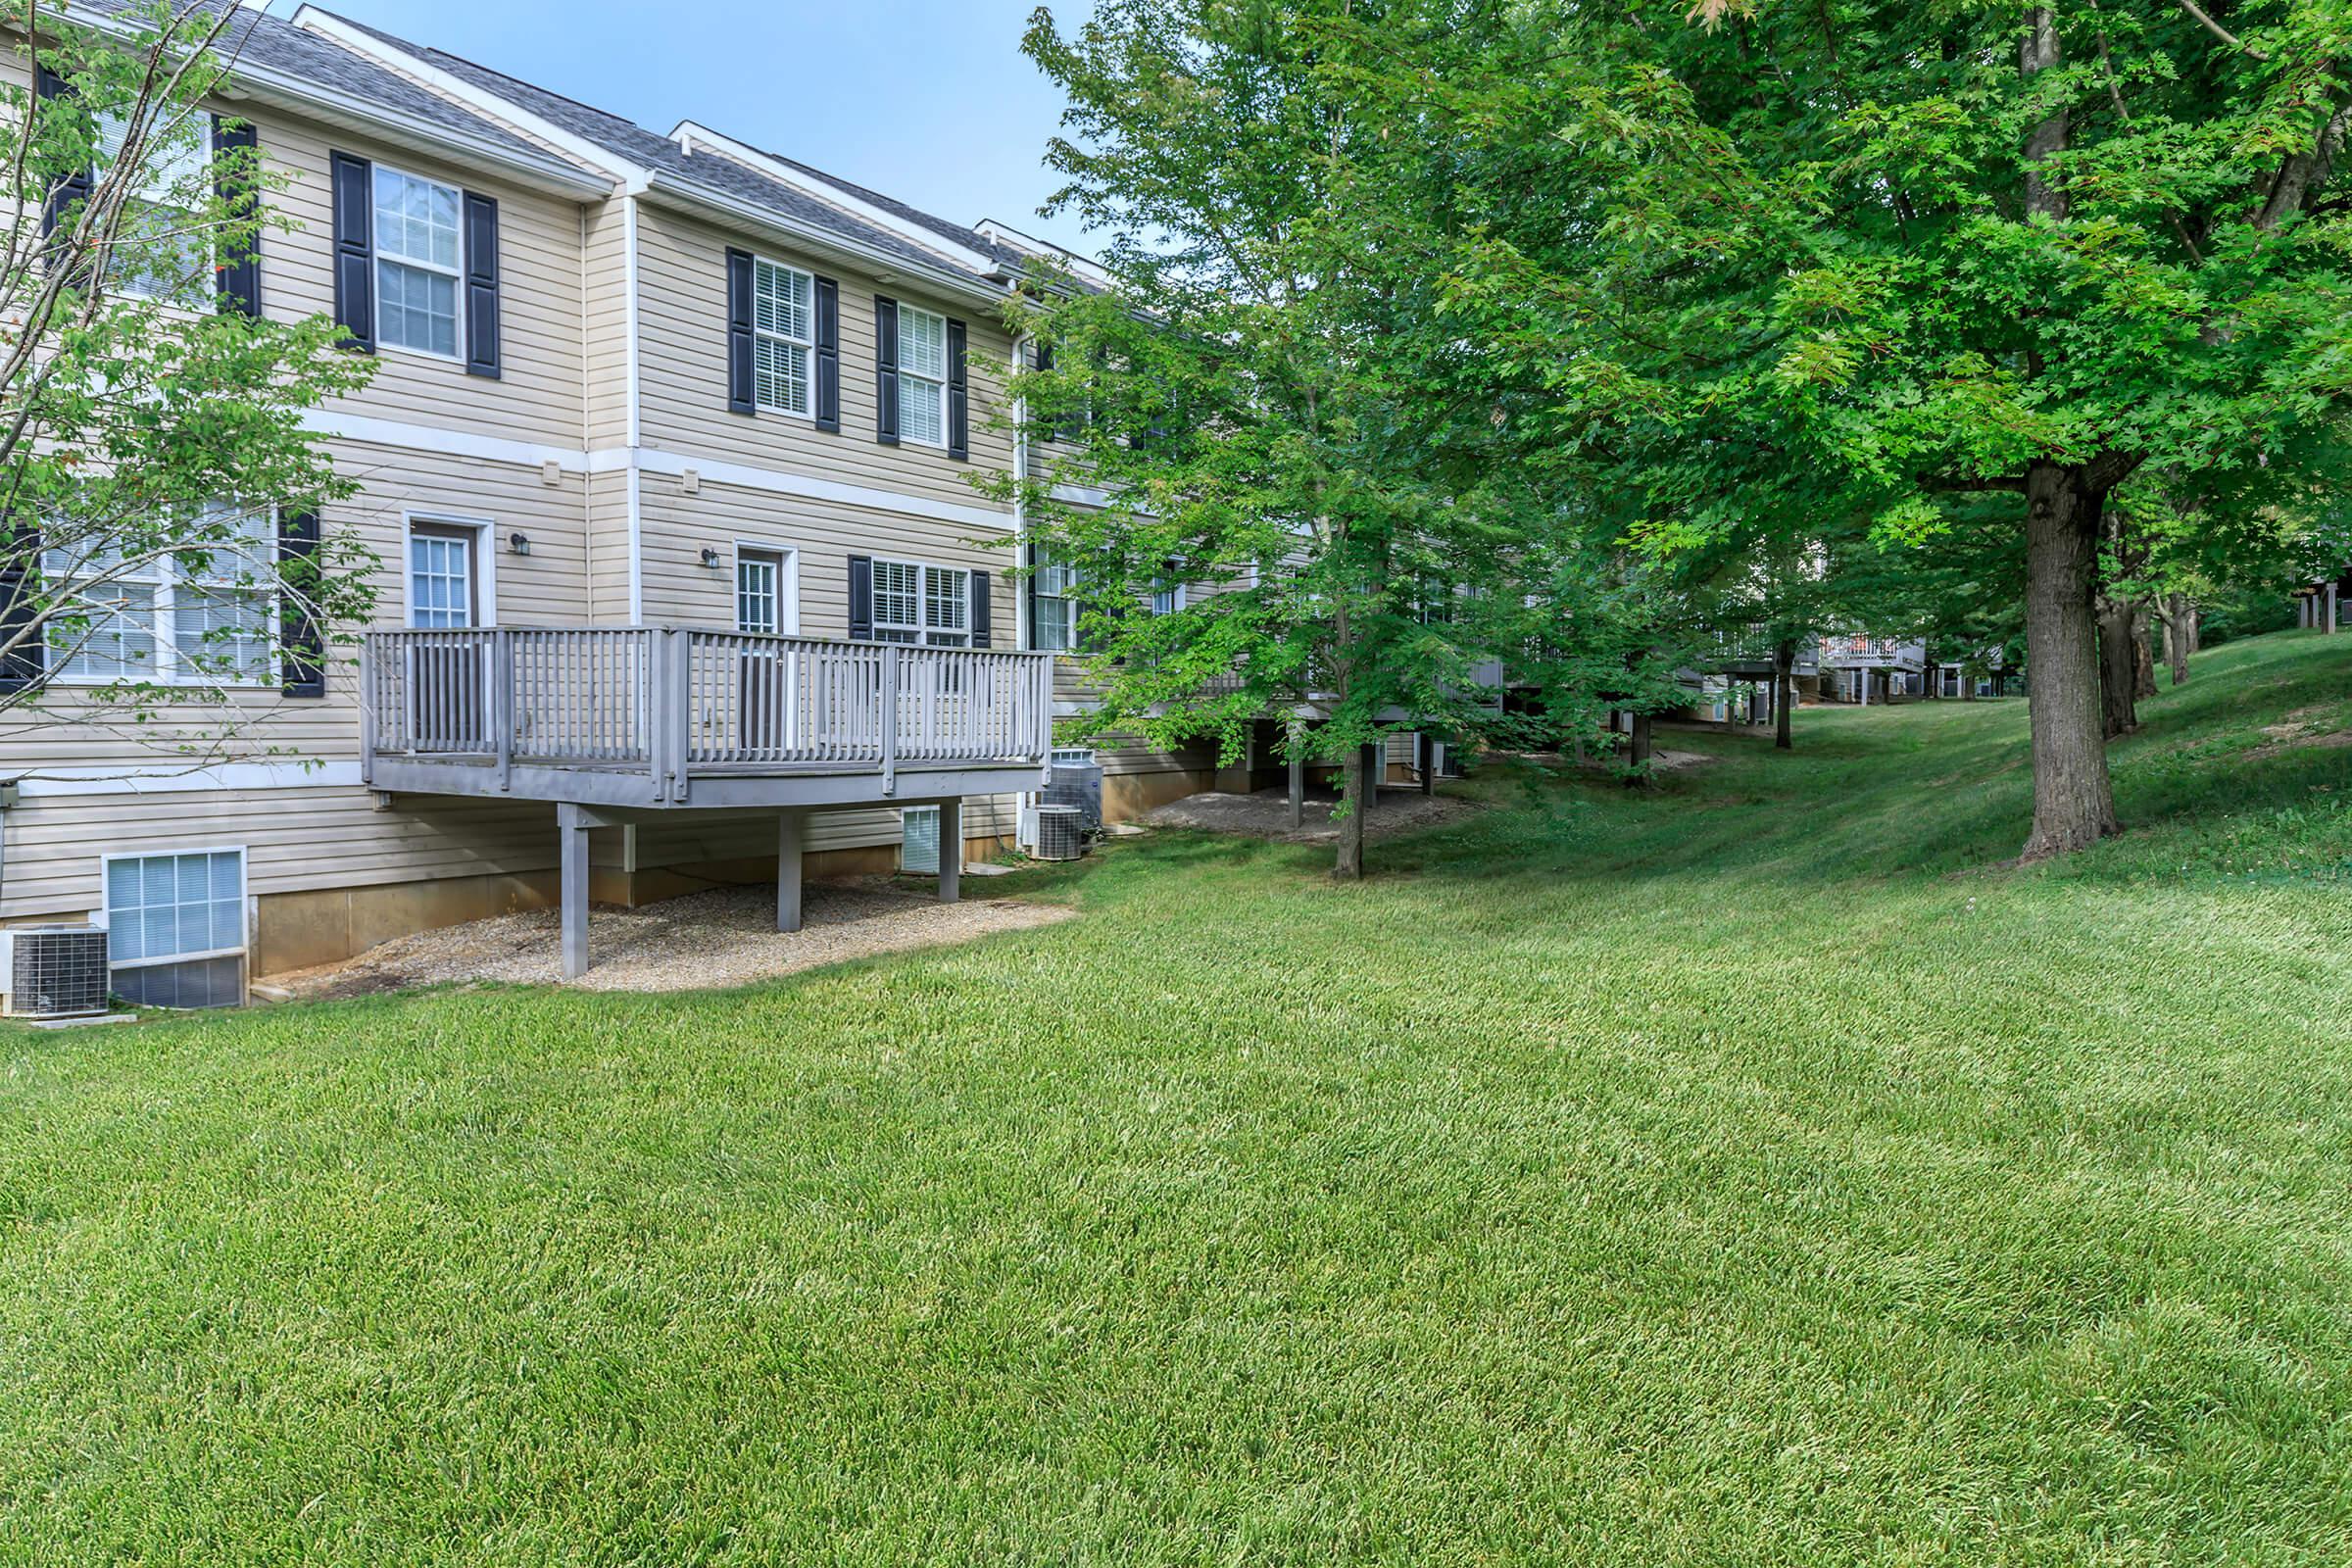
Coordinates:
(273, 44)
(713, 170)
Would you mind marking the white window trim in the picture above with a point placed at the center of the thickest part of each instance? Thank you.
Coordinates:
(106, 903)
(922, 599)
(788, 580)
(485, 562)
(1032, 641)
(204, 162)
(376, 258)
(809, 343)
(167, 672)
(906, 376)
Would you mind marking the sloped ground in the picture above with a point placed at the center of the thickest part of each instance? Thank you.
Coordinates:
(1266, 814)
(1755, 1169)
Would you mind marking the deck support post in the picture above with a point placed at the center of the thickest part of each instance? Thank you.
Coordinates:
(1376, 762)
(950, 850)
(792, 837)
(2331, 621)
(571, 833)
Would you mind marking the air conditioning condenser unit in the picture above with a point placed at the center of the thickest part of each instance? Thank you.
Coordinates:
(53, 971)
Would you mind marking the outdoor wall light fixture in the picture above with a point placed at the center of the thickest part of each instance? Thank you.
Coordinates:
(711, 559)
(518, 543)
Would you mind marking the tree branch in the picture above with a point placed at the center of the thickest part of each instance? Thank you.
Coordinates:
(2221, 33)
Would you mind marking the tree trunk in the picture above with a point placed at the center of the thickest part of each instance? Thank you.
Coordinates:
(2073, 803)
(1349, 865)
(2118, 674)
(1637, 752)
(2176, 637)
(1968, 684)
(2143, 656)
(1784, 689)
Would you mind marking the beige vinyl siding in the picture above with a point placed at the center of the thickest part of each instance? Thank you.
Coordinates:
(608, 548)
(538, 394)
(682, 308)
(605, 271)
(548, 586)
(680, 590)
(296, 838)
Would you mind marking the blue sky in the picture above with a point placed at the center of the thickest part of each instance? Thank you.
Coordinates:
(932, 103)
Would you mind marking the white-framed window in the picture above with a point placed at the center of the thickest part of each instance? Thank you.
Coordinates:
(1167, 597)
(156, 218)
(922, 376)
(442, 592)
(916, 603)
(783, 338)
(1053, 607)
(419, 255)
(759, 592)
(918, 840)
(185, 905)
(202, 618)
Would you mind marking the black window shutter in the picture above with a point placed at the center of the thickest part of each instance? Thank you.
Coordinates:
(983, 635)
(861, 599)
(739, 333)
(959, 400)
(481, 286)
(828, 354)
(355, 248)
(238, 272)
(301, 637)
(1029, 587)
(25, 652)
(74, 188)
(886, 371)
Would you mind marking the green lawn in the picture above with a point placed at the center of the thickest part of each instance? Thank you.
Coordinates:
(1749, 1172)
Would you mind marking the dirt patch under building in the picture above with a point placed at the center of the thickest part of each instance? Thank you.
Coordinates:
(723, 937)
(1267, 814)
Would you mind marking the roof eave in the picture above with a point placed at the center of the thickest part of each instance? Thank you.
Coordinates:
(706, 202)
(282, 90)
(547, 174)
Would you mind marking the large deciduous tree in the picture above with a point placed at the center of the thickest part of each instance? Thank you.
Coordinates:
(1913, 256)
(152, 449)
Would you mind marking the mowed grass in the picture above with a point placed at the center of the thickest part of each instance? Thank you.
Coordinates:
(1752, 1171)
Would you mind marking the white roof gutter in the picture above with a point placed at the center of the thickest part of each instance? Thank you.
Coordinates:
(706, 202)
(823, 190)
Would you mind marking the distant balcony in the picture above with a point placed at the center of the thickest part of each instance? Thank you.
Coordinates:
(647, 717)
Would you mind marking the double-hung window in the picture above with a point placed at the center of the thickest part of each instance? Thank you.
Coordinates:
(189, 618)
(163, 246)
(419, 256)
(1053, 607)
(922, 376)
(921, 603)
(783, 337)
(1167, 597)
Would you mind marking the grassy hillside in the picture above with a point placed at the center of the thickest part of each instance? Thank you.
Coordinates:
(1749, 1172)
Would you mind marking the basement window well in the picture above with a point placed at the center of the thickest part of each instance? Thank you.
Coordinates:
(176, 928)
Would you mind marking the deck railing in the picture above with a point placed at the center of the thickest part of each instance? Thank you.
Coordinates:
(678, 703)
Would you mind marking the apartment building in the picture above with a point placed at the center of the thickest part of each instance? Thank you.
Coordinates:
(682, 577)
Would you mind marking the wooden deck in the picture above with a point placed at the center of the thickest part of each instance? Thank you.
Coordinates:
(614, 724)
(662, 719)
